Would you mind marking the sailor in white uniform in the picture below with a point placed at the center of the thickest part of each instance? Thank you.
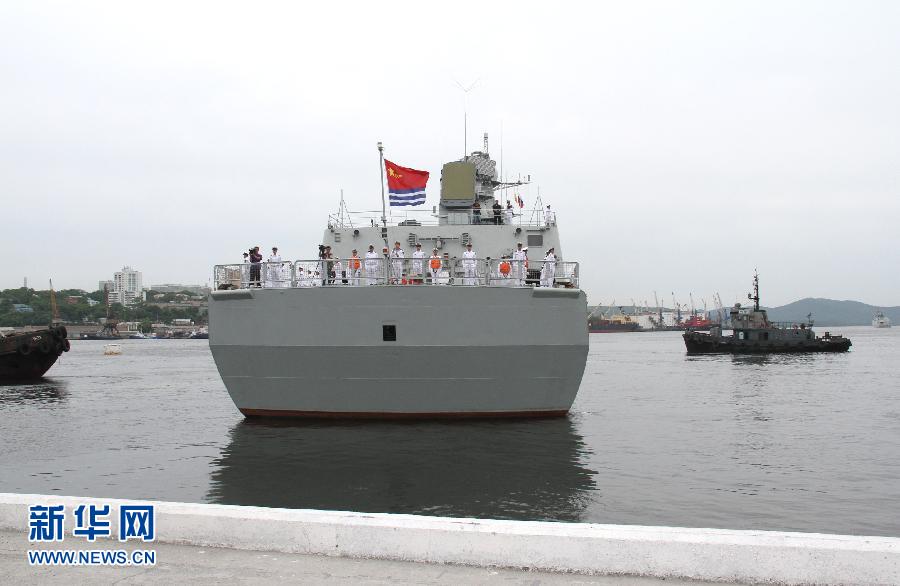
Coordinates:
(508, 214)
(469, 263)
(354, 268)
(372, 262)
(418, 264)
(520, 259)
(273, 269)
(548, 271)
(397, 256)
(338, 271)
(548, 217)
(245, 271)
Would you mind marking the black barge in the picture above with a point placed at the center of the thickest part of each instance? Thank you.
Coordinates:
(27, 356)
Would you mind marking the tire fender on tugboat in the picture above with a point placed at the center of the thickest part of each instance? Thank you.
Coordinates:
(24, 347)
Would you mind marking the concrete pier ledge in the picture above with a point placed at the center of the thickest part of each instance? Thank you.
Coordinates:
(620, 550)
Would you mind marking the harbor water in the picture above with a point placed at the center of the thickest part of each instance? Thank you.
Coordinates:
(656, 437)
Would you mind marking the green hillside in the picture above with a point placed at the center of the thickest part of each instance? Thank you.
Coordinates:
(830, 312)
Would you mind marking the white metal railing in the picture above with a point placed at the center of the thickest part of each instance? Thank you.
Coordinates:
(466, 216)
(360, 272)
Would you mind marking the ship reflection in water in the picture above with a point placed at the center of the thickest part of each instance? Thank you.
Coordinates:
(35, 393)
(499, 469)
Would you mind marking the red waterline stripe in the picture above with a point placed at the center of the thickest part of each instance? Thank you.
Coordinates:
(389, 415)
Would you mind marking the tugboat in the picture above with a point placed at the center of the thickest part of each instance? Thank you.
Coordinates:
(753, 333)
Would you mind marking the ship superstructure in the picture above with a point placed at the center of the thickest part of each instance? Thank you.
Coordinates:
(391, 333)
(879, 320)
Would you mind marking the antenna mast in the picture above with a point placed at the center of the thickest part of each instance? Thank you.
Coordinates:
(465, 91)
(381, 180)
(755, 296)
(343, 212)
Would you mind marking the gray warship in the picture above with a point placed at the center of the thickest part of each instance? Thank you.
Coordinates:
(753, 333)
(391, 335)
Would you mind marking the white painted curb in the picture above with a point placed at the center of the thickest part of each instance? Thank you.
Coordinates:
(663, 552)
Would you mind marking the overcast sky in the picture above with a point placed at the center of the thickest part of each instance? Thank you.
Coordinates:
(683, 144)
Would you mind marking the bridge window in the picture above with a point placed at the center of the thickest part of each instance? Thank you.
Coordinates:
(535, 240)
(389, 333)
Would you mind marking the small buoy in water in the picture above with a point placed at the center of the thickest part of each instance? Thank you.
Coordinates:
(112, 349)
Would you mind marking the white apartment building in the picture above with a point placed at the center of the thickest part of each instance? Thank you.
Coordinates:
(127, 285)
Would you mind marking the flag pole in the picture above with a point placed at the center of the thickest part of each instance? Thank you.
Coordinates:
(381, 179)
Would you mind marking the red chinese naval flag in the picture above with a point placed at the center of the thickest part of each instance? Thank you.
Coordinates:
(406, 187)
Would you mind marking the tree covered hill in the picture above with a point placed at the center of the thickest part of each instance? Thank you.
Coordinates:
(830, 312)
(75, 308)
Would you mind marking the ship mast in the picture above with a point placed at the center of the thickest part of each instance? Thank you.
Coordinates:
(755, 296)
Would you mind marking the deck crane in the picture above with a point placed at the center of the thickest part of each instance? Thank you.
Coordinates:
(693, 310)
(54, 309)
(720, 308)
(609, 311)
(597, 308)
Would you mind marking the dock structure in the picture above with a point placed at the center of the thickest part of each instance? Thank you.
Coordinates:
(639, 553)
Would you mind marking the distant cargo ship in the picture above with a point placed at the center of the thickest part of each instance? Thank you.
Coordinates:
(611, 322)
(606, 326)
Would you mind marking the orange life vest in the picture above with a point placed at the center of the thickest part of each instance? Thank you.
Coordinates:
(354, 263)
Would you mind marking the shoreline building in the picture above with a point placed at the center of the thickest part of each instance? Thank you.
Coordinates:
(127, 286)
(178, 288)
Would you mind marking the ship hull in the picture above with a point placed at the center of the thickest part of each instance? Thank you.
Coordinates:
(614, 328)
(459, 351)
(699, 343)
(29, 355)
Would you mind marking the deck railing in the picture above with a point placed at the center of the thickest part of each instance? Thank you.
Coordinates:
(517, 217)
(361, 272)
